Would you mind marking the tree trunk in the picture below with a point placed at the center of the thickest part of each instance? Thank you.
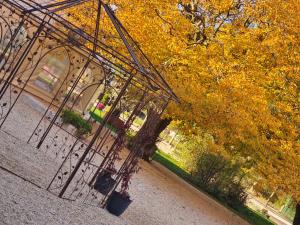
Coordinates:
(146, 138)
(150, 149)
(297, 216)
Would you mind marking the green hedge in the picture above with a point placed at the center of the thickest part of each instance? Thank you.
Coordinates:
(75, 119)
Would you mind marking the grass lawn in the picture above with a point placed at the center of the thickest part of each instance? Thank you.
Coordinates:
(171, 164)
(246, 213)
(98, 115)
(138, 122)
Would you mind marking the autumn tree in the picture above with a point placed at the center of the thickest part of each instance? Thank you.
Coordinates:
(235, 67)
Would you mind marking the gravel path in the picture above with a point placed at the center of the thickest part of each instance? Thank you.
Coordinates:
(25, 161)
(159, 197)
(169, 200)
(23, 203)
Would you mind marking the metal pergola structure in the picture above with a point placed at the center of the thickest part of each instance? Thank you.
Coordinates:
(45, 31)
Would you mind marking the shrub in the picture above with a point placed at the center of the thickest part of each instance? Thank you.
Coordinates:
(221, 178)
(73, 118)
(236, 195)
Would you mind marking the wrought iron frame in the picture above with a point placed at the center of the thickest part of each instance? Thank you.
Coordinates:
(48, 31)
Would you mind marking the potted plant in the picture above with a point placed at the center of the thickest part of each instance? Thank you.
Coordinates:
(104, 181)
(118, 202)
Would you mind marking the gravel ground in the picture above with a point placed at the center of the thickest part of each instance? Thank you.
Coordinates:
(170, 200)
(159, 197)
(25, 161)
(23, 203)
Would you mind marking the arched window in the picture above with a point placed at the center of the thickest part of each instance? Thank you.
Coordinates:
(85, 80)
(52, 69)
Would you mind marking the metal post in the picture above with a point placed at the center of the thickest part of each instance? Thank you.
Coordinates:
(63, 103)
(21, 60)
(2, 56)
(48, 108)
(94, 138)
(128, 161)
(128, 123)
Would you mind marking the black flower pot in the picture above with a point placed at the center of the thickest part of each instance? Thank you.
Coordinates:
(117, 203)
(104, 182)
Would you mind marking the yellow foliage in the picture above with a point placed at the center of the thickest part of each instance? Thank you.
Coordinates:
(241, 84)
